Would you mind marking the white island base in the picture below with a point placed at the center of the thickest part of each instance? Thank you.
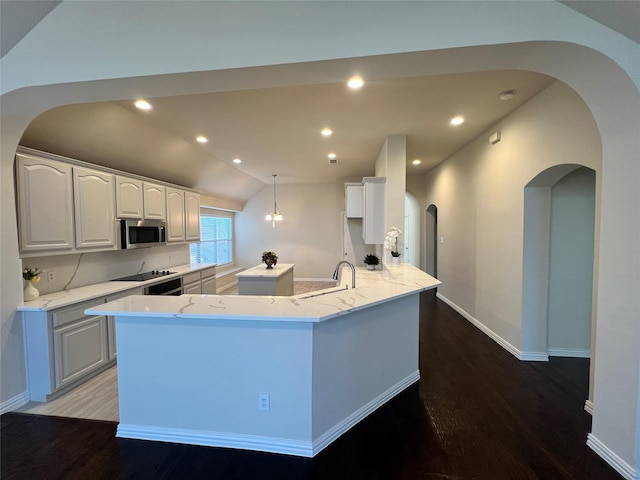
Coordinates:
(199, 375)
(260, 280)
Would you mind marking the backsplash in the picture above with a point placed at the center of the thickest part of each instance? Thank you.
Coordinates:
(78, 270)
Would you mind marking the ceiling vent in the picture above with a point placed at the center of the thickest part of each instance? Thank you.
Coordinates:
(333, 161)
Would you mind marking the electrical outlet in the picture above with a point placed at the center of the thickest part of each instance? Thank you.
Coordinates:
(263, 402)
(51, 276)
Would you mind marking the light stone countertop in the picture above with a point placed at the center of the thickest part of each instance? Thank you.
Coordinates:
(64, 298)
(372, 288)
(261, 271)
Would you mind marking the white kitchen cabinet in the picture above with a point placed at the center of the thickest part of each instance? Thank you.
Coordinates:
(64, 346)
(154, 202)
(45, 204)
(175, 215)
(192, 284)
(80, 348)
(94, 200)
(373, 210)
(129, 198)
(209, 281)
(353, 196)
(192, 216)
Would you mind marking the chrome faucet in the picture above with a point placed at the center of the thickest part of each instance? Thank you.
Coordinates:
(336, 272)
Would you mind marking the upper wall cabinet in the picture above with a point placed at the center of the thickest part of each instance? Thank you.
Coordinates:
(175, 215)
(192, 216)
(94, 202)
(139, 200)
(129, 198)
(154, 202)
(353, 193)
(45, 204)
(67, 206)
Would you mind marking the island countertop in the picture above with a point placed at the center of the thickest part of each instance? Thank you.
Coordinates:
(372, 288)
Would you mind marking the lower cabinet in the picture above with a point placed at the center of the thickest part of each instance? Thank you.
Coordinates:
(202, 282)
(80, 348)
(65, 346)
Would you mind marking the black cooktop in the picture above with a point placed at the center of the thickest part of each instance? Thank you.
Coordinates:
(141, 277)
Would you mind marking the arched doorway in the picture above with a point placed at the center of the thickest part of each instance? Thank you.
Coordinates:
(558, 284)
(431, 241)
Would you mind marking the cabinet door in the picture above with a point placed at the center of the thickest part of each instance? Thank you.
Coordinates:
(353, 200)
(175, 215)
(154, 202)
(193, 289)
(192, 216)
(94, 201)
(129, 198)
(209, 286)
(80, 348)
(45, 204)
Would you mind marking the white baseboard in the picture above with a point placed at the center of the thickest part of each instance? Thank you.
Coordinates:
(14, 402)
(334, 432)
(529, 356)
(619, 465)
(569, 352)
(264, 444)
(588, 406)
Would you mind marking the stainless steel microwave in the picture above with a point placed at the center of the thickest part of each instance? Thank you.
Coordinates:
(142, 233)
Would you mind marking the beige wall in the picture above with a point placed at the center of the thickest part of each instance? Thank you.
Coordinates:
(479, 193)
(308, 236)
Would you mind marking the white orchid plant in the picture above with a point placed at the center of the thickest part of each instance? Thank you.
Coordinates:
(391, 241)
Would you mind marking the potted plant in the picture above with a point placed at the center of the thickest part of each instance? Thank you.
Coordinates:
(391, 243)
(371, 260)
(270, 258)
(31, 275)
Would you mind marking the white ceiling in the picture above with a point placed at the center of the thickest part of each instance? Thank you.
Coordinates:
(277, 130)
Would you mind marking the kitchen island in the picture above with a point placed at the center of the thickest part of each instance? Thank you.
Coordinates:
(259, 280)
(277, 374)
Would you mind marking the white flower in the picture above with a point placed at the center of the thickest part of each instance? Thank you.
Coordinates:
(391, 239)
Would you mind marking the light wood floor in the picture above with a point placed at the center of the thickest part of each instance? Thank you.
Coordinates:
(97, 399)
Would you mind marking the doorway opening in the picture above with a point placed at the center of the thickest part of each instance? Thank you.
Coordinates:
(558, 260)
(431, 241)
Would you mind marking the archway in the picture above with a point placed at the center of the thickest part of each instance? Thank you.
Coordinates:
(431, 241)
(558, 281)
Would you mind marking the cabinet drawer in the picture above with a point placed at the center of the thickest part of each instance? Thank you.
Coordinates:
(191, 278)
(208, 272)
(74, 313)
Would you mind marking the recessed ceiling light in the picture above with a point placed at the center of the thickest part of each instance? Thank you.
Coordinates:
(237, 160)
(202, 139)
(455, 121)
(355, 83)
(507, 94)
(142, 104)
(326, 132)
(332, 156)
(417, 162)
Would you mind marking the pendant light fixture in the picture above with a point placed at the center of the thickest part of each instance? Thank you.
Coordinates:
(274, 216)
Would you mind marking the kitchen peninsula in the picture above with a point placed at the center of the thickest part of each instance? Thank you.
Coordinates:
(270, 373)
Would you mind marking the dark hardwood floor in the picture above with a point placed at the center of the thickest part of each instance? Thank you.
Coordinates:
(477, 413)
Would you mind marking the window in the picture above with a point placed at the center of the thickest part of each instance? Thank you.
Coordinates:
(216, 238)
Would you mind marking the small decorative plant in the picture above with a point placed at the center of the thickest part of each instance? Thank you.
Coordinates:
(371, 260)
(391, 241)
(31, 274)
(270, 258)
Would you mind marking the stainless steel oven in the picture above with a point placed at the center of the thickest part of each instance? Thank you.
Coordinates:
(170, 287)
